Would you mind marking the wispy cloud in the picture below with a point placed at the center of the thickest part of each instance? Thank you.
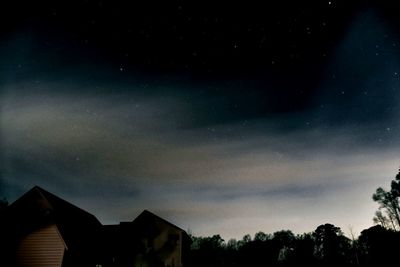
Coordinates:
(117, 154)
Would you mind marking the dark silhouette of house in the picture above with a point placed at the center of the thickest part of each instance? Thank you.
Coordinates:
(41, 229)
(149, 240)
(45, 230)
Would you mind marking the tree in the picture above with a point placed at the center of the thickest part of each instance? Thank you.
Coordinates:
(207, 251)
(304, 250)
(381, 219)
(395, 185)
(389, 203)
(246, 239)
(257, 252)
(379, 247)
(284, 238)
(232, 244)
(284, 241)
(331, 246)
(214, 242)
(261, 236)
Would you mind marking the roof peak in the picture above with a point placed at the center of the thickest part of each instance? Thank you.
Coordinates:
(149, 213)
(36, 187)
(53, 202)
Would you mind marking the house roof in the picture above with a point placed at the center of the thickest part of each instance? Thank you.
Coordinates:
(143, 225)
(39, 207)
(77, 227)
(147, 217)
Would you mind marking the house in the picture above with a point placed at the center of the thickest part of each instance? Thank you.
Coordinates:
(45, 230)
(41, 230)
(149, 240)
(167, 241)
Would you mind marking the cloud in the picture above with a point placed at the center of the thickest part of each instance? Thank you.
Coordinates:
(117, 154)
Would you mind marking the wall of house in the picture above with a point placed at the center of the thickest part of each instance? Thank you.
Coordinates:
(41, 248)
(175, 258)
(169, 245)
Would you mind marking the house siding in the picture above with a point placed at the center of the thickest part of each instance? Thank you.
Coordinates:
(167, 244)
(41, 248)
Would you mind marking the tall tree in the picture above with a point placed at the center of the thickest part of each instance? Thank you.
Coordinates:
(389, 203)
(331, 246)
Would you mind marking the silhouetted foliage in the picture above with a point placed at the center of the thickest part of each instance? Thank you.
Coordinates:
(379, 247)
(261, 236)
(326, 246)
(389, 204)
(331, 246)
(207, 251)
(304, 250)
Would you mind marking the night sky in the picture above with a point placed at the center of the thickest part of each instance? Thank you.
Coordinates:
(224, 118)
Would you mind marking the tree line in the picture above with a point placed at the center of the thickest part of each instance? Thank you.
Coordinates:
(325, 246)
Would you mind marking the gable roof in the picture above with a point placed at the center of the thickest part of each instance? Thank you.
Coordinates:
(39, 207)
(147, 217)
(39, 200)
